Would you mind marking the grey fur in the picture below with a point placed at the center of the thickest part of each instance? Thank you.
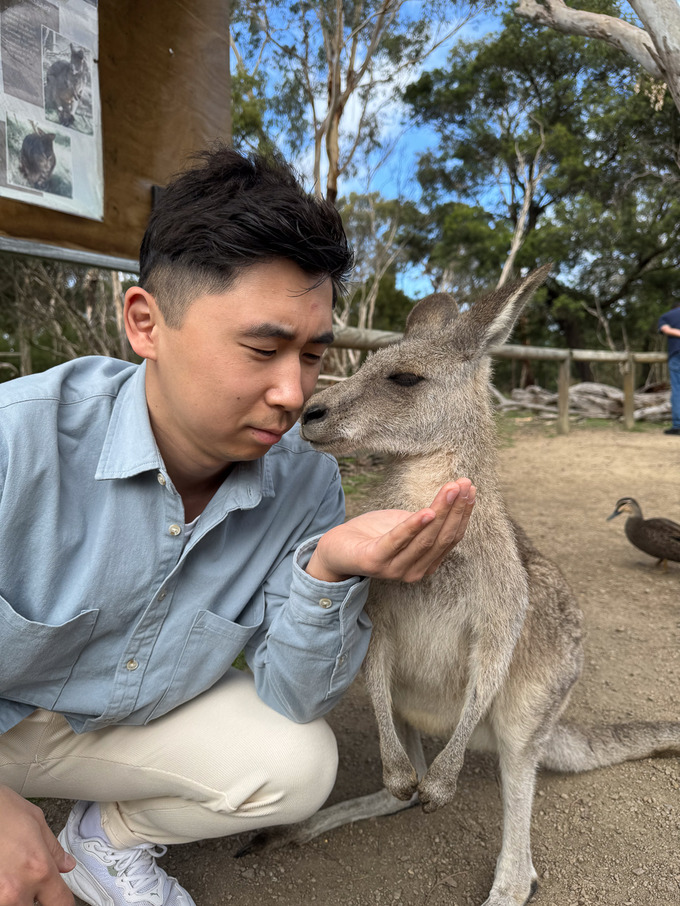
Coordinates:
(485, 651)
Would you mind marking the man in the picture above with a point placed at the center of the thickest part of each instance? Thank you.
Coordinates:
(669, 324)
(155, 521)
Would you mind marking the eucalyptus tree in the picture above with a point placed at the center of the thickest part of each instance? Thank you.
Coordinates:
(606, 205)
(330, 70)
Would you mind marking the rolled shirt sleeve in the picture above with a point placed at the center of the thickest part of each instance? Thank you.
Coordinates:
(316, 634)
(315, 644)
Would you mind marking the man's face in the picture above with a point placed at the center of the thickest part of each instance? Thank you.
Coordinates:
(234, 377)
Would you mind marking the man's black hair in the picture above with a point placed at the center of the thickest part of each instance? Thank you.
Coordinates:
(229, 212)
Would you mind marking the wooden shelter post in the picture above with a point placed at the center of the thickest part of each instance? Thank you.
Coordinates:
(563, 379)
(629, 393)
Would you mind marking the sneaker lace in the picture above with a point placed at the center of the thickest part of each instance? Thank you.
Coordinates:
(138, 874)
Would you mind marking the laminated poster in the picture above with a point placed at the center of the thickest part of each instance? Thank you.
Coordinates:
(50, 108)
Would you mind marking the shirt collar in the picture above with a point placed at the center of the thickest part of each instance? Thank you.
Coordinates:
(130, 446)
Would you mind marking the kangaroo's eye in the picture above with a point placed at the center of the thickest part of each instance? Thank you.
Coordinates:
(405, 378)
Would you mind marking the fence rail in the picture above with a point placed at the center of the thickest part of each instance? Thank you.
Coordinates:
(355, 338)
(368, 340)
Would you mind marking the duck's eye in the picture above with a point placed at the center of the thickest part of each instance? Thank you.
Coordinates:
(406, 378)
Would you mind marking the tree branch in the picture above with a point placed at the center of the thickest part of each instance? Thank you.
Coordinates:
(629, 38)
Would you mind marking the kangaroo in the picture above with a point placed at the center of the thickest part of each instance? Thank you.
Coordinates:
(37, 159)
(486, 650)
(64, 84)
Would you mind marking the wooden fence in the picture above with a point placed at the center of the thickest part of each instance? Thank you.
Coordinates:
(354, 338)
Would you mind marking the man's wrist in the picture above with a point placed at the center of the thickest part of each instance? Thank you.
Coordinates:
(317, 569)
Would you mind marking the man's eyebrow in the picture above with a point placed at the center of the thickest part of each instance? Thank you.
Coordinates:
(267, 331)
(324, 339)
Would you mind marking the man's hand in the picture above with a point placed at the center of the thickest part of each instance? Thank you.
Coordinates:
(395, 544)
(31, 857)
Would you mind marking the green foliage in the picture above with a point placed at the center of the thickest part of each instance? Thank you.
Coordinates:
(392, 305)
(240, 663)
(607, 208)
(479, 244)
(248, 110)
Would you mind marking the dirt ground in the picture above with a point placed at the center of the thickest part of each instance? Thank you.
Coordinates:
(608, 837)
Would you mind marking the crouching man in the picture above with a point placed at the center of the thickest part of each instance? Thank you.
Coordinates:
(158, 519)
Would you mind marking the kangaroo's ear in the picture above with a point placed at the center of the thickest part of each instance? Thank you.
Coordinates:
(433, 313)
(493, 316)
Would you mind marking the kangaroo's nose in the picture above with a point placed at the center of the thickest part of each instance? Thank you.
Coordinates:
(314, 413)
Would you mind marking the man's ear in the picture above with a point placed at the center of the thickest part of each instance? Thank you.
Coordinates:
(141, 315)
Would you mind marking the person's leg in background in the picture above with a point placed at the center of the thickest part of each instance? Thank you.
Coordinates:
(674, 373)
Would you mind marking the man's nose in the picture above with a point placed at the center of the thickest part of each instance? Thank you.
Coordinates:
(286, 390)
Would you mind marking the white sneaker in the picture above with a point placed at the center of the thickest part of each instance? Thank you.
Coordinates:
(105, 876)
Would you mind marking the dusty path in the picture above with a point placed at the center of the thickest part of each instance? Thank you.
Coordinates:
(611, 837)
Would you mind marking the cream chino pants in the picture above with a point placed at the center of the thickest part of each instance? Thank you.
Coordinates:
(221, 764)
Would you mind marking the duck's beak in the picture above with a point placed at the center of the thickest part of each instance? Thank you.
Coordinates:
(615, 513)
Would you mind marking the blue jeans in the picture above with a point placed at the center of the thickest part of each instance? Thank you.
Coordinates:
(674, 371)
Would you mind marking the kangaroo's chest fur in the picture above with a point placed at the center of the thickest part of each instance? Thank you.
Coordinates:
(422, 679)
(427, 629)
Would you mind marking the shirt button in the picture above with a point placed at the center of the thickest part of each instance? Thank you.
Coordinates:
(132, 664)
(342, 659)
(162, 594)
(325, 603)
(161, 478)
(175, 529)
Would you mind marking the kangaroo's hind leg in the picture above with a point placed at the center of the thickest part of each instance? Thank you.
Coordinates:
(515, 880)
(373, 805)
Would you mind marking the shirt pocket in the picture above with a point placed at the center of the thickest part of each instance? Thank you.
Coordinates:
(37, 658)
(212, 646)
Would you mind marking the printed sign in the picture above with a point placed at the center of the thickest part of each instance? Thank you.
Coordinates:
(50, 131)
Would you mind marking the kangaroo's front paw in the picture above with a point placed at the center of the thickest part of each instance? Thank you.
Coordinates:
(435, 791)
(401, 780)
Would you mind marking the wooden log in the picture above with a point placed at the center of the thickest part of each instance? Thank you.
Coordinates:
(653, 413)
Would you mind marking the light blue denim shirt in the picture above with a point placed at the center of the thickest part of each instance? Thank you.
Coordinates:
(108, 614)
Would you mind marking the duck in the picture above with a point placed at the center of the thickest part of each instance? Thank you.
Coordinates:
(657, 537)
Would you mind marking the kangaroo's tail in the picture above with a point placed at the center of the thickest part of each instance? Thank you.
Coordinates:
(574, 749)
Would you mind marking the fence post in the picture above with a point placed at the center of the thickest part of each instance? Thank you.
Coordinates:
(629, 393)
(563, 378)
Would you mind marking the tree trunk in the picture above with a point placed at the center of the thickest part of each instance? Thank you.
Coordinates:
(661, 19)
(333, 155)
(228, 123)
